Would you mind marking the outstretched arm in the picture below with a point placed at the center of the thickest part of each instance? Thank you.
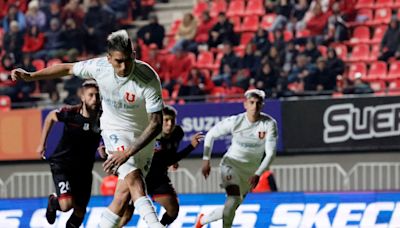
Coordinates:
(151, 131)
(54, 71)
(51, 118)
(195, 140)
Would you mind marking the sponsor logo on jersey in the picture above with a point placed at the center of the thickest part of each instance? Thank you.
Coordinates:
(344, 121)
(129, 97)
(86, 127)
(261, 134)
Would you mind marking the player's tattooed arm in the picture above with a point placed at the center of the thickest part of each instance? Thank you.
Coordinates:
(152, 130)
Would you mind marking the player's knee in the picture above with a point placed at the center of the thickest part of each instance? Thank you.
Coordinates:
(133, 177)
(65, 205)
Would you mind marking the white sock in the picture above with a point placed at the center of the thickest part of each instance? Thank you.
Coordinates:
(231, 204)
(146, 210)
(215, 215)
(109, 219)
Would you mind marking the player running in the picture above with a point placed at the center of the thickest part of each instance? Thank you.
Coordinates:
(71, 163)
(254, 139)
(166, 154)
(131, 119)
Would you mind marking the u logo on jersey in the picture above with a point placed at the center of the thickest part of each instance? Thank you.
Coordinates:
(129, 97)
(261, 134)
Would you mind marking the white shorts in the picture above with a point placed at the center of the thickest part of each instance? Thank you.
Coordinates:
(236, 173)
(122, 140)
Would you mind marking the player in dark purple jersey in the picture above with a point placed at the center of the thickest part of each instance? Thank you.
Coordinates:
(71, 163)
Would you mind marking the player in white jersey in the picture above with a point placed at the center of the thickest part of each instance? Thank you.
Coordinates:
(131, 119)
(254, 139)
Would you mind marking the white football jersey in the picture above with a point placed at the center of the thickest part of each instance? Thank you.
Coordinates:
(251, 142)
(126, 101)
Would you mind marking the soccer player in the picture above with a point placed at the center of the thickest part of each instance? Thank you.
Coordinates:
(71, 163)
(132, 118)
(166, 154)
(254, 139)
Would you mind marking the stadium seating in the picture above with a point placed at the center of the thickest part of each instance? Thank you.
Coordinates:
(361, 34)
(377, 71)
(354, 68)
(216, 7)
(38, 64)
(255, 7)
(267, 20)
(249, 24)
(360, 52)
(394, 71)
(235, 8)
(174, 28)
(341, 51)
(383, 3)
(205, 60)
(381, 16)
(362, 4)
(5, 103)
(52, 62)
(379, 32)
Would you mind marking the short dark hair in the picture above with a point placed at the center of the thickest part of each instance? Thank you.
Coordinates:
(119, 41)
(168, 110)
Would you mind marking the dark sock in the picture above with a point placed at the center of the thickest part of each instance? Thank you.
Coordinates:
(166, 219)
(54, 202)
(74, 221)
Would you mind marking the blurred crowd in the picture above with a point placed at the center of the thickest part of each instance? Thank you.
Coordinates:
(220, 49)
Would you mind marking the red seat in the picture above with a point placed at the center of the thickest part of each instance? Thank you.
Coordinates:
(361, 34)
(165, 94)
(199, 8)
(255, 7)
(323, 49)
(394, 71)
(375, 52)
(381, 16)
(148, 2)
(341, 51)
(267, 20)
(5, 103)
(216, 7)
(396, 5)
(303, 33)
(217, 61)
(235, 8)
(394, 88)
(383, 3)
(377, 71)
(357, 68)
(360, 52)
(287, 35)
(361, 4)
(378, 86)
(217, 94)
(250, 24)
(236, 23)
(174, 27)
(38, 64)
(379, 32)
(52, 62)
(246, 38)
(205, 60)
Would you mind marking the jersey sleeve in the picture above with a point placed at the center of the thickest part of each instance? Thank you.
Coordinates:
(270, 147)
(64, 114)
(152, 93)
(87, 69)
(223, 127)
